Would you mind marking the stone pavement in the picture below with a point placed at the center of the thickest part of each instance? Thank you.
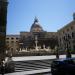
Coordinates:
(33, 64)
(30, 72)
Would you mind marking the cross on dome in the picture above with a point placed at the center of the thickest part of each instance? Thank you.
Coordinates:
(36, 26)
(36, 19)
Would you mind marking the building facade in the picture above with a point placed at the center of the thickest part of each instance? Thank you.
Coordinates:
(12, 43)
(66, 36)
(37, 38)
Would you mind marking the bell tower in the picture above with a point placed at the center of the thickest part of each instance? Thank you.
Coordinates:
(3, 23)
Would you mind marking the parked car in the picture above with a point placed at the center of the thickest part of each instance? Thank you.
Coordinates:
(63, 66)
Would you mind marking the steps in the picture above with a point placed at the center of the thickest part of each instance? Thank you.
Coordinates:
(31, 65)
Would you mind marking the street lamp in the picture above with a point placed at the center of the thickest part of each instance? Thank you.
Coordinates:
(56, 50)
(36, 41)
(68, 54)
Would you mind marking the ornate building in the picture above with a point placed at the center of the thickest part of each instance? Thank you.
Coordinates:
(66, 36)
(3, 22)
(37, 38)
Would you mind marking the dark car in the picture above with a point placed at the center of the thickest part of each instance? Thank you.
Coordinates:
(63, 67)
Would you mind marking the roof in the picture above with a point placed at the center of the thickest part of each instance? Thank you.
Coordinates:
(36, 26)
(13, 36)
(66, 26)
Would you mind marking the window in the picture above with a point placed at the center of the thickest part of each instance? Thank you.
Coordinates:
(12, 49)
(69, 37)
(12, 41)
(12, 38)
(67, 29)
(7, 38)
(16, 41)
(72, 34)
(64, 38)
(17, 38)
(71, 27)
(60, 39)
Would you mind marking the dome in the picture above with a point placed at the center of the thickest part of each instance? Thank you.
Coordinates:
(36, 26)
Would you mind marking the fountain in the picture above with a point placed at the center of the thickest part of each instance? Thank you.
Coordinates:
(44, 47)
(36, 42)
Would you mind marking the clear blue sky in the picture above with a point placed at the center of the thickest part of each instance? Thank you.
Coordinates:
(52, 14)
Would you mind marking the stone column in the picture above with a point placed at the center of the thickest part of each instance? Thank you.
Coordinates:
(3, 22)
(36, 42)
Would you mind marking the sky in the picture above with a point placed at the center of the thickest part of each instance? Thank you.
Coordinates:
(52, 14)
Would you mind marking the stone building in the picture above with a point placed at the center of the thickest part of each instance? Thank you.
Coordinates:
(66, 36)
(12, 42)
(38, 38)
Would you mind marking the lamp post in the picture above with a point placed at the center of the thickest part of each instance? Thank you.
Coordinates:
(36, 42)
(68, 54)
(56, 50)
(44, 47)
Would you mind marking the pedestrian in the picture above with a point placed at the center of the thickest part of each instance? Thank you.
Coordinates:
(2, 67)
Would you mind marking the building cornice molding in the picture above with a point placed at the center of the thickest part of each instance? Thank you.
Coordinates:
(67, 25)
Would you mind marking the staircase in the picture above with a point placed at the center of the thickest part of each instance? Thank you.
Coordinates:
(31, 65)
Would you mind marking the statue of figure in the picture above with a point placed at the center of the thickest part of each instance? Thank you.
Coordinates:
(44, 47)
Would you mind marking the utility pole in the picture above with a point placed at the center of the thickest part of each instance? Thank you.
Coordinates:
(57, 53)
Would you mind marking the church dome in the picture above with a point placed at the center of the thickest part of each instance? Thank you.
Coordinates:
(36, 26)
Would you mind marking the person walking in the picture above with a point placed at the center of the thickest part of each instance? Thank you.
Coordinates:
(3, 67)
